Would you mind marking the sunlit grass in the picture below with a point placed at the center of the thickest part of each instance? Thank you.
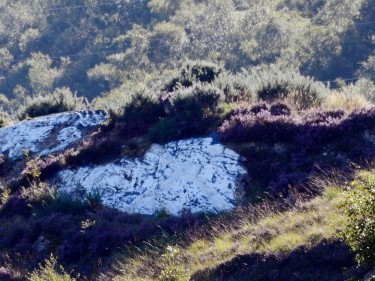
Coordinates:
(275, 232)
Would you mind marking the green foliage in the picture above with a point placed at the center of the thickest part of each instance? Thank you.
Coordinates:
(236, 88)
(274, 83)
(164, 131)
(60, 100)
(197, 102)
(50, 272)
(193, 72)
(364, 87)
(143, 107)
(359, 206)
(171, 269)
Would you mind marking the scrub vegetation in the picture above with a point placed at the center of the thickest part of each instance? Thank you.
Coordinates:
(287, 84)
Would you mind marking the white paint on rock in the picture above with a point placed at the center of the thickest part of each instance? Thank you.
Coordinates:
(48, 134)
(196, 174)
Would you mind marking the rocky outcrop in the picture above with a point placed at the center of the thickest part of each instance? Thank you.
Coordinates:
(49, 134)
(199, 175)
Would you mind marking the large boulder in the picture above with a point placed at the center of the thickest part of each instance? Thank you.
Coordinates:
(199, 175)
(48, 134)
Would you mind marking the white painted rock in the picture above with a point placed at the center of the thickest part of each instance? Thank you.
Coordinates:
(48, 134)
(196, 174)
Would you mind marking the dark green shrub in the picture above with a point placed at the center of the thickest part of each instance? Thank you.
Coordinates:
(61, 100)
(164, 131)
(192, 72)
(197, 102)
(144, 107)
(359, 205)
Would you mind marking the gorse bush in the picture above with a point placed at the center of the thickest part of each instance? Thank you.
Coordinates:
(60, 100)
(144, 107)
(359, 206)
(274, 84)
(193, 72)
(236, 88)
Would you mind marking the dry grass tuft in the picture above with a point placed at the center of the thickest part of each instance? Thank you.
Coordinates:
(340, 100)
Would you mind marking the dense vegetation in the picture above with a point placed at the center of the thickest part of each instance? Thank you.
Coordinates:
(288, 84)
(108, 49)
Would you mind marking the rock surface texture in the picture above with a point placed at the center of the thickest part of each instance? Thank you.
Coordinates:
(48, 134)
(198, 175)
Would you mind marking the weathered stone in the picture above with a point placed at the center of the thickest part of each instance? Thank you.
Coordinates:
(199, 175)
(48, 134)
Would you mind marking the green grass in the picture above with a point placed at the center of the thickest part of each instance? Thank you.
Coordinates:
(272, 232)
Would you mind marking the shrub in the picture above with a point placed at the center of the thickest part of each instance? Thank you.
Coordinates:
(144, 107)
(274, 83)
(192, 72)
(164, 131)
(359, 205)
(60, 100)
(310, 139)
(196, 102)
(50, 272)
(235, 87)
(262, 122)
(363, 87)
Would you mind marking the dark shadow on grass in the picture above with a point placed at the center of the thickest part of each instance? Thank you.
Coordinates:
(326, 261)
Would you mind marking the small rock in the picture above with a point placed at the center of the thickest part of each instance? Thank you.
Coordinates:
(42, 245)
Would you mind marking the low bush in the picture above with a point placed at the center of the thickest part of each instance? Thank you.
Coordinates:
(236, 87)
(283, 150)
(143, 107)
(164, 131)
(262, 122)
(60, 100)
(275, 84)
(196, 102)
(359, 206)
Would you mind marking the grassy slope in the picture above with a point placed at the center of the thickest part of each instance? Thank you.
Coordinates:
(312, 224)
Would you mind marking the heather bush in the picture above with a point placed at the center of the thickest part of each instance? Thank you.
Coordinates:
(60, 100)
(193, 72)
(260, 123)
(310, 139)
(359, 206)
